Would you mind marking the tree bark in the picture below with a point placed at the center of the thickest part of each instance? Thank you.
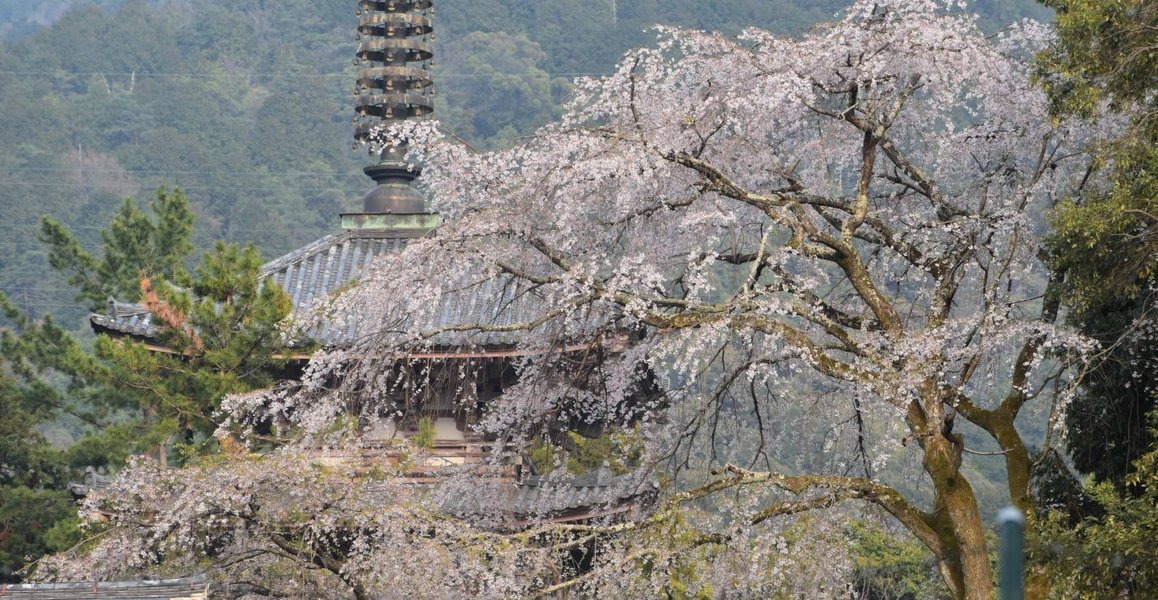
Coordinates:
(965, 564)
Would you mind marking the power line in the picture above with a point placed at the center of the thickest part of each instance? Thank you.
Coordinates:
(13, 292)
(207, 75)
(163, 172)
(36, 226)
(188, 188)
(58, 305)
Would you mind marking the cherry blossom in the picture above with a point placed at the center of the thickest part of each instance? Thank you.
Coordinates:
(824, 253)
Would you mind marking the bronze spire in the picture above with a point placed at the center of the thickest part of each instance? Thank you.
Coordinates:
(395, 47)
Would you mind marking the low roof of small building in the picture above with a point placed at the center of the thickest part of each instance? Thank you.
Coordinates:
(560, 498)
(186, 588)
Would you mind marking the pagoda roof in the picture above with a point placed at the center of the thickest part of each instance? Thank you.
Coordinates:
(319, 270)
(533, 499)
(540, 493)
(311, 273)
(315, 271)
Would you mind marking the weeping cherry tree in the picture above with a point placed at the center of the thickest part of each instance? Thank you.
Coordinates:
(836, 236)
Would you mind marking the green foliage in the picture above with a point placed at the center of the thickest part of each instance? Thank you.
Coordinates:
(110, 445)
(27, 517)
(495, 88)
(1106, 242)
(684, 582)
(218, 328)
(222, 335)
(620, 452)
(48, 375)
(426, 434)
(1102, 546)
(1106, 423)
(892, 566)
(684, 569)
(216, 335)
(135, 246)
(1104, 49)
(1112, 555)
(33, 474)
(544, 456)
(28, 460)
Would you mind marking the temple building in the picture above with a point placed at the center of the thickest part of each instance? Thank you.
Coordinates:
(395, 51)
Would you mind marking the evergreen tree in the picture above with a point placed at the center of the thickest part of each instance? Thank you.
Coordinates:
(135, 245)
(219, 336)
(1106, 242)
(36, 512)
(216, 333)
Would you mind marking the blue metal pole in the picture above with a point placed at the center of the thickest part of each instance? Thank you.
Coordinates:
(1011, 530)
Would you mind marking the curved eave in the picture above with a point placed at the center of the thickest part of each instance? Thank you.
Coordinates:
(316, 272)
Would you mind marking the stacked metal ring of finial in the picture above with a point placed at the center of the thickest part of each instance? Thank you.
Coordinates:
(396, 49)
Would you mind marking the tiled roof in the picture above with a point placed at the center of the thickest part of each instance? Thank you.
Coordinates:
(124, 317)
(314, 271)
(540, 494)
(189, 588)
(307, 274)
(92, 481)
(553, 497)
(496, 302)
(317, 271)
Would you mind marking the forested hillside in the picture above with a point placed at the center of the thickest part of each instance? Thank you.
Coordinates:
(245, 105)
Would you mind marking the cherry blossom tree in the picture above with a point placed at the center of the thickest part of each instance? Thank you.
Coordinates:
(831, 239)
(876, 188)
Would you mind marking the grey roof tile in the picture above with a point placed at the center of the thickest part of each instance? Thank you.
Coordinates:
(557, 495)
(316, 271)
(188, 588)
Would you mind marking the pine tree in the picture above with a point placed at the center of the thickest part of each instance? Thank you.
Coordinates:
(35, 507)
(219, 336)
(217, 332)
(136, 244)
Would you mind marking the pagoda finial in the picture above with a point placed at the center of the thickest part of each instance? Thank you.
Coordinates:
(395, 85)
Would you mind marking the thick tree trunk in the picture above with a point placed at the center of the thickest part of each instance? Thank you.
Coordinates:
(965, 564)
(1018, 467)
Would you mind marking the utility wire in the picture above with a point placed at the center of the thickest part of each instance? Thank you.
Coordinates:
(164, 172)
(283, 75)
(185, 188)
(36, 227)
